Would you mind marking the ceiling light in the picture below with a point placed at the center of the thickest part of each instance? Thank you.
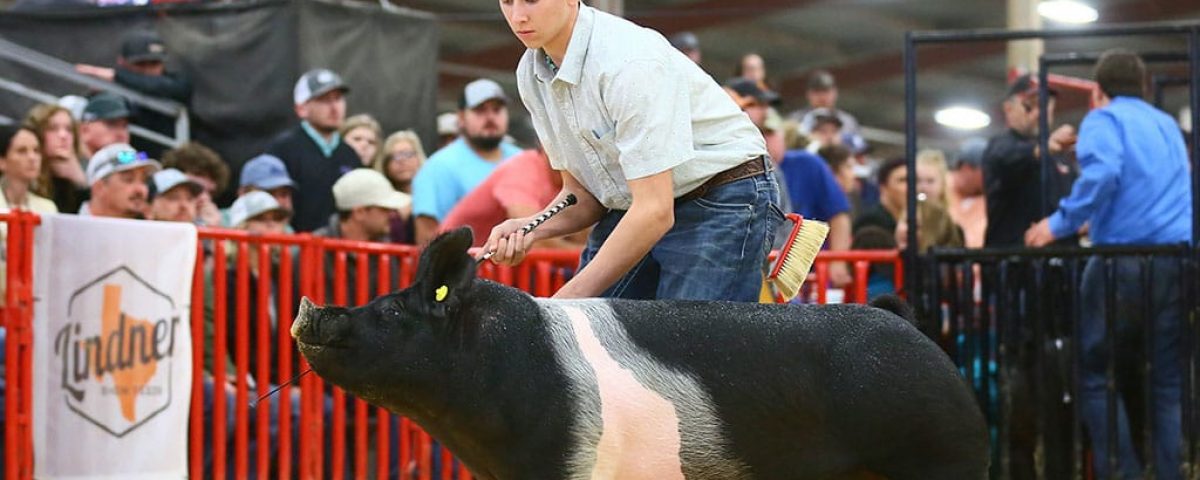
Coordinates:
(1067, 11)
(962, 118)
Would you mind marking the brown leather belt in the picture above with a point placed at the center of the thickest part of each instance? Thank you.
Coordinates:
(745, 170)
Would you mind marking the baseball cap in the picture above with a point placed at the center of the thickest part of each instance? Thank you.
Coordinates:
(252, 205)
(1026, 85)
(447, 123)
(164, 180)
(856, 143)
(685, 41)
(74, 104)
(971, 153)
(117, 157)
(143, 46)
(105, 106)
(266, 172)
(364, 187)
(821, 80)
(479, 91)
(315, 83)
(745, 87)
(824, 115)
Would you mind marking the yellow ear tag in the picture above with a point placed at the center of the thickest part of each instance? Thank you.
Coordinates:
(440, 293)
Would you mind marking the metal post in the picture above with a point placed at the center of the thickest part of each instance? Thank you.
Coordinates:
(1044, 135)
(1194, 101)
(910, 159)
(1190, 424)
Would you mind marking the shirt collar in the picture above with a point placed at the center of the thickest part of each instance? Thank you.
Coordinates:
(327, 148)
(572, 67)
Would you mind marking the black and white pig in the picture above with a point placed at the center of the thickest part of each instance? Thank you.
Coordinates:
(525, 388)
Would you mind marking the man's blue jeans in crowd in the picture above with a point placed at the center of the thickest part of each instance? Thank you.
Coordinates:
(715, 251)
(1162, 319)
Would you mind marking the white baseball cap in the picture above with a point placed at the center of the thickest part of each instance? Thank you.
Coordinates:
(364, 187)
(447, 123)
(252, 205)
(118, 157)
(169, 178)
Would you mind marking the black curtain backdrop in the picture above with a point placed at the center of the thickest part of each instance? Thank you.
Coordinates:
(244, 59)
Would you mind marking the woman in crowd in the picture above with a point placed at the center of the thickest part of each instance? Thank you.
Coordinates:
(402, 156)
(61, 175)
(20, 163)
(362, 132)
(932, 175)
(935, 228)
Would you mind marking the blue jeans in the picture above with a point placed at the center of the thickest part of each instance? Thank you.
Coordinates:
(1132, 317)
(717, 249)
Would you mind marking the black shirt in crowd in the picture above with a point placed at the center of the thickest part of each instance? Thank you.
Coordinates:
(170, 85)
(314, 174)
(875, 216)
(1012, 182)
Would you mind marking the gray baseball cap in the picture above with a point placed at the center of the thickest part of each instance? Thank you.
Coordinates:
(105, 106)
(251, 205)
(165, 180)
(480, 91)
(971, 153)
(315, 83)
(118, 157)
(143, 46)
(266, 172)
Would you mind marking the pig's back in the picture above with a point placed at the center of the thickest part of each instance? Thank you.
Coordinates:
(768, 389)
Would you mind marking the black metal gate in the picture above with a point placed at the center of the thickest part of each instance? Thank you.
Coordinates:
(1018, 322)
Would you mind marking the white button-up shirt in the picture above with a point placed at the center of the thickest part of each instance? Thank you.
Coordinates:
(625, 105)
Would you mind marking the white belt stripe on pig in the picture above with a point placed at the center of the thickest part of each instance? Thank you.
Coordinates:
(637, 417)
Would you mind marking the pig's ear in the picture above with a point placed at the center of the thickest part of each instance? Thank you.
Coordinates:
(445, 271)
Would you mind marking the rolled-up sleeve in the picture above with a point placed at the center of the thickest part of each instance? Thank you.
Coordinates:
(650, 109)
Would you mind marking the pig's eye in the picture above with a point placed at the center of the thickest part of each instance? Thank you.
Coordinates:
(392, 312)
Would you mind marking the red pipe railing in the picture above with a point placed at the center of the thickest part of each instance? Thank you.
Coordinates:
(299, 448)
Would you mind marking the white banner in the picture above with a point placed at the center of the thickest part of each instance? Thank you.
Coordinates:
(112, 348)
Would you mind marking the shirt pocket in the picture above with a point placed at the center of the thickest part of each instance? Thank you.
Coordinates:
(606, 160)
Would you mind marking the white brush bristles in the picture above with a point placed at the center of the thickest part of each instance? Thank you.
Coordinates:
(799, 259)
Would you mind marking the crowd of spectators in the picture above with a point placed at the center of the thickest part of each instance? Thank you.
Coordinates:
(826, 168)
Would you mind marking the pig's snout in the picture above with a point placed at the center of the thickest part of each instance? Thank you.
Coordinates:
(318, 325)
(303, 318)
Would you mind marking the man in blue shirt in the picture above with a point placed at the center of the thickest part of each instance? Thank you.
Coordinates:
(452, 172)
(1134, 189)
(815, 194)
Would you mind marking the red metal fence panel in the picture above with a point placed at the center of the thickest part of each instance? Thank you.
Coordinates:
(245, 291)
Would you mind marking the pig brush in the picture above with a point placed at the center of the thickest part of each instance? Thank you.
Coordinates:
(558, 207)
(797, 256)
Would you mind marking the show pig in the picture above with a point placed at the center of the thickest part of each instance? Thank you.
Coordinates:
(527, 388)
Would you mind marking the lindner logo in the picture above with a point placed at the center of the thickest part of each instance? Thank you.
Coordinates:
(115, 351)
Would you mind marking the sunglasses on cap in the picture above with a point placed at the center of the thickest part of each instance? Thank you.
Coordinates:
(126, 157)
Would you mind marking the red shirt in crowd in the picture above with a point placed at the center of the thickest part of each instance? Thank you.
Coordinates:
(521, 186)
